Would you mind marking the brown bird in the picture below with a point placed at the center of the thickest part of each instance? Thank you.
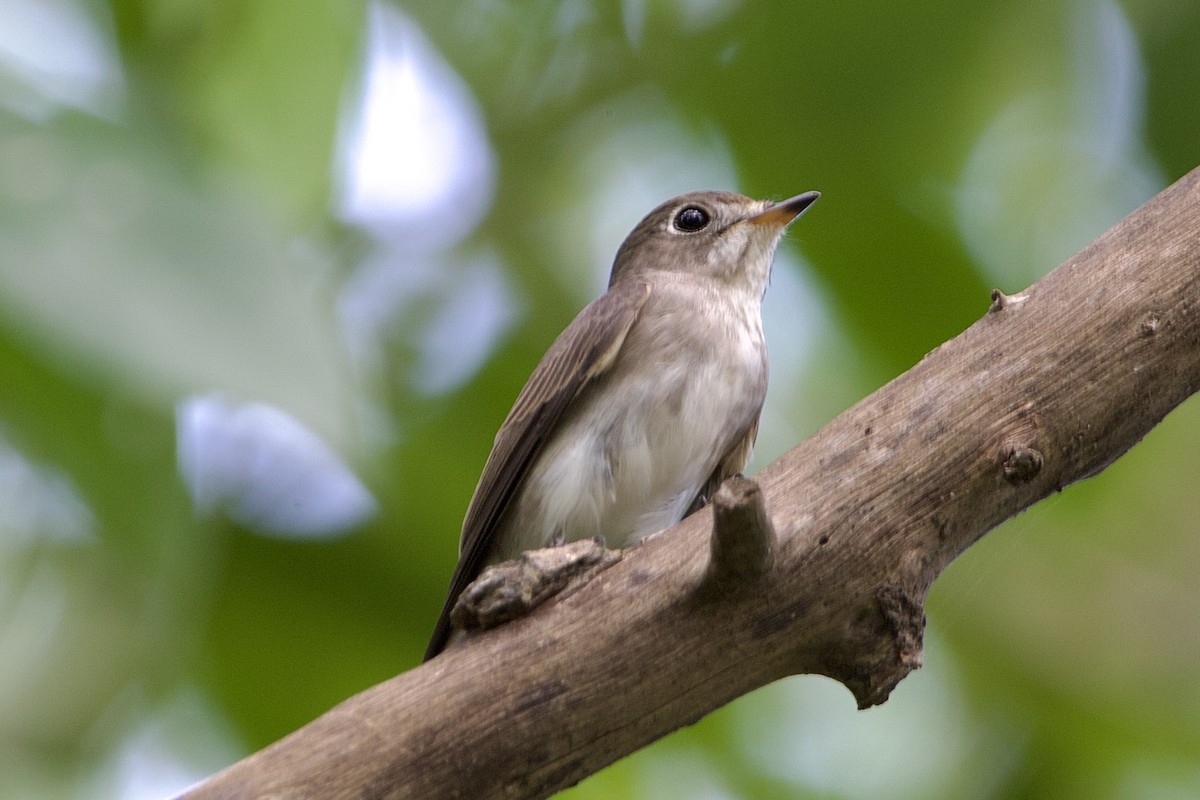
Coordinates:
(646, 402)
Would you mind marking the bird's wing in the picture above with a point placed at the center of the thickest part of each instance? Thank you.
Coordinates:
(583, 352)
(732, 463)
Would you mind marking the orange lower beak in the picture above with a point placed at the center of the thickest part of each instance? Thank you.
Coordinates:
(782, 214)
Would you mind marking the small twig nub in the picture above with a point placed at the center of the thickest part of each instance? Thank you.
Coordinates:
(1021, 464)
(743, 538)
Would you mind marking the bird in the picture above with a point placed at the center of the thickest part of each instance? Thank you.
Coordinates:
(646, 402)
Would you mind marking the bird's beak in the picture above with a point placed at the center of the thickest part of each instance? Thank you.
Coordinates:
(781, 214)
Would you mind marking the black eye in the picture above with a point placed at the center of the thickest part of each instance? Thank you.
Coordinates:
(691, 219)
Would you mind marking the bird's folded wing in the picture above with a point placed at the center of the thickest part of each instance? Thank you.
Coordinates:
(582, 353)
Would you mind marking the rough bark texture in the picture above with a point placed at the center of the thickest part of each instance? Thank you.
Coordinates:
(1049, 387)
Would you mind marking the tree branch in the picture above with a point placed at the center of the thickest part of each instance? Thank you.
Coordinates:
(1049, 387)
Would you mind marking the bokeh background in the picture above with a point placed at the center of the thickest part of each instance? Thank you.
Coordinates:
(271, 274)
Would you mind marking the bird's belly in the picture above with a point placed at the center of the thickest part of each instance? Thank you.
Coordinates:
(635, 456)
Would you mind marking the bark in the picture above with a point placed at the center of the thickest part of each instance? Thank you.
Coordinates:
(1049, 387)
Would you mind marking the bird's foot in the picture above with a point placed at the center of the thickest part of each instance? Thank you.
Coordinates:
(513, 589)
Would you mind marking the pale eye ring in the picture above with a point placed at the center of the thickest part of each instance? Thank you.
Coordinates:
(691, 219)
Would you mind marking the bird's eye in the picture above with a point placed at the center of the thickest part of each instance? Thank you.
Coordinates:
(691, 219)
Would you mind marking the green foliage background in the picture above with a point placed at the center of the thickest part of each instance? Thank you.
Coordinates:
(181, 239)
